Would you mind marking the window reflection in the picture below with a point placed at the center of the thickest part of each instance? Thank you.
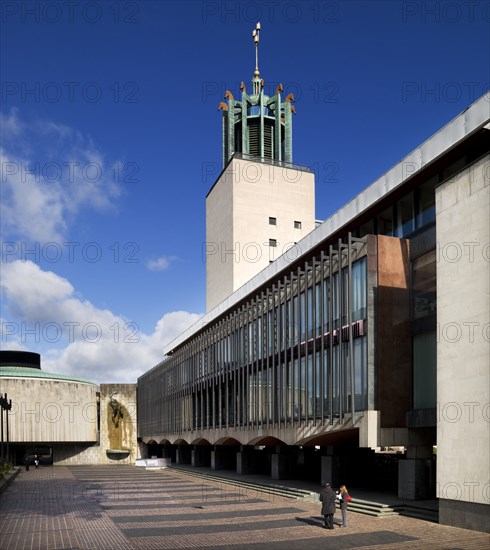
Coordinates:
(424, 285)
(405, 217)
(426, 203)
(385, 222)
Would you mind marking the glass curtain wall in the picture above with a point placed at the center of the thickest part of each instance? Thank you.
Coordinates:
(295, 353)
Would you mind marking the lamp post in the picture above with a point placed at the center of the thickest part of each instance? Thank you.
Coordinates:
(9, 407)
(5, 405)
(1, 428)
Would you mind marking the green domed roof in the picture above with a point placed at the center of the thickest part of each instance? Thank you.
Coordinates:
(25, 372)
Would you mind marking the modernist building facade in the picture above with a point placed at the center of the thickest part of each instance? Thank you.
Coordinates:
(371, 332)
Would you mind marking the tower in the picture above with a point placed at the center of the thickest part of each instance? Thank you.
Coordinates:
(258, 126)
(261, 204)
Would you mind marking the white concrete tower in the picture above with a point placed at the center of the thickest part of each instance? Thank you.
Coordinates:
(262, 203)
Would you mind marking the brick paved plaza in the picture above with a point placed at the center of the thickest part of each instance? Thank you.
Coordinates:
(118, 508)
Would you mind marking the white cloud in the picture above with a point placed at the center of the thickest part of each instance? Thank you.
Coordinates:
(10, 334)
(75, 337)
(48, 173)
(160, 264)
(172, 325)
(10, 123)
(33, 293)
(25, 203)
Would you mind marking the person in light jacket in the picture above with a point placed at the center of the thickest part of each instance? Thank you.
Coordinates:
(343, 494)
(327, 498)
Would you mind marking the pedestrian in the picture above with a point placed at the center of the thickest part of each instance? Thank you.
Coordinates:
(26, 460)
(344, 499)
(36, 461)
(327, 498)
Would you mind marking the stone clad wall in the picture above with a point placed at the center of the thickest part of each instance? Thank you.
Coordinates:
(463, 349)
(45, 410)
(111, 437)
(62, 414)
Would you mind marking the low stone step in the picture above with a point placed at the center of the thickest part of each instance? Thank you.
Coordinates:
(369, 508)
(271, 489)
(417, 513)
(377, 513)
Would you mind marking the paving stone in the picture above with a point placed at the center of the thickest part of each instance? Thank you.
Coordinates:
(124, 508)
(200, 515)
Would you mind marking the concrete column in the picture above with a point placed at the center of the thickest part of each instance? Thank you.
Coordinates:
(196, 457)
(279, 466)
(217, 459)
(183, 454)
(169, 452)
(244, 463)
(412, 478)
(415, 473)
(330, 470)
(179, 456)
(143, 450)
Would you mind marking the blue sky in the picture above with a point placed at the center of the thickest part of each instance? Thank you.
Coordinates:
(111, 139)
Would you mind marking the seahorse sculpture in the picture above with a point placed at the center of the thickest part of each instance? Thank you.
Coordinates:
(279, 88)
(117, 413)
(229, 95)
(289, 99)
(222, 106)
(242, 87)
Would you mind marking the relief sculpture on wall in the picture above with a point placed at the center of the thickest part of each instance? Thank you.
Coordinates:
(116, 407)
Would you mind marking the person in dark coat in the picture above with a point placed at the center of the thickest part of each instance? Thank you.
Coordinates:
(327, 497)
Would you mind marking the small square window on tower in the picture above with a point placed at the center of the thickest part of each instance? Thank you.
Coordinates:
(272, 221)
(272, 242)
(297, 225)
